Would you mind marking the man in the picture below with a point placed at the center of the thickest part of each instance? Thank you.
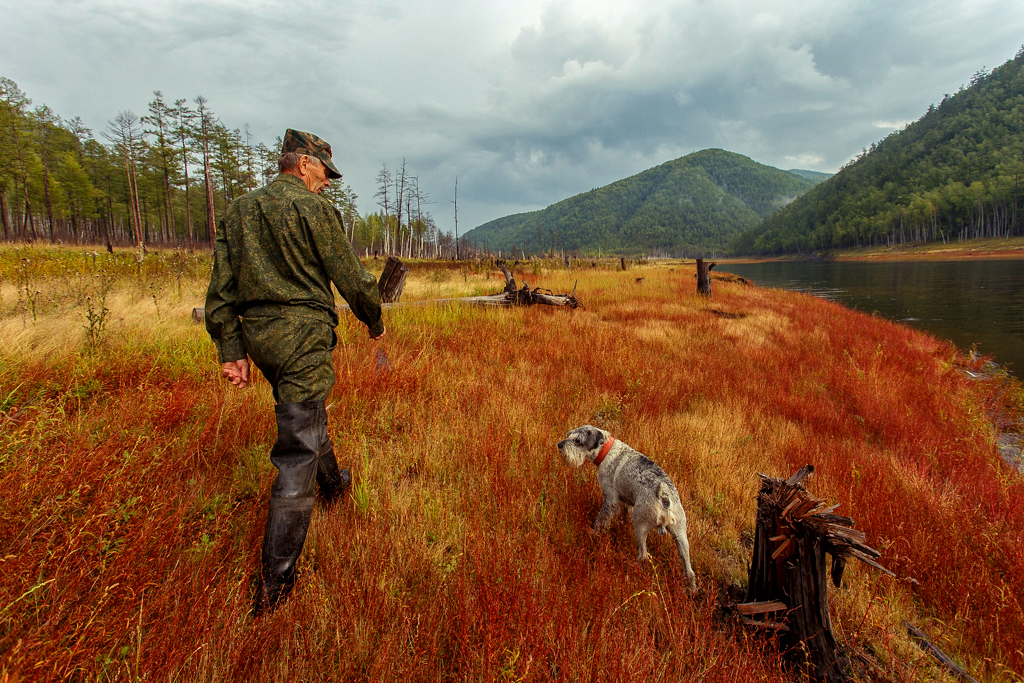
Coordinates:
(277, 252)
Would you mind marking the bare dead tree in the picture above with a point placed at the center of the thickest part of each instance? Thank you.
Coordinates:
(383, 187)
(400, 180)
(456, 202)
(205, 132)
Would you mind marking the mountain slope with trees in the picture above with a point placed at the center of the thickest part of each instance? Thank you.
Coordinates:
(956, 173)
(689, 205)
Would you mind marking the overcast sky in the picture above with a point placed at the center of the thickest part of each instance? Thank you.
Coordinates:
(527, 102)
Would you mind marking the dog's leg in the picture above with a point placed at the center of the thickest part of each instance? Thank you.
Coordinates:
(678, 531)
(642, 525)
(608, 509)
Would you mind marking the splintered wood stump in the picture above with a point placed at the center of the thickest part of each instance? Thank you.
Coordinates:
(392, 281)
(787, 576)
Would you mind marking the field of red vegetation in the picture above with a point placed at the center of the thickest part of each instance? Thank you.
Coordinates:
(134, 483)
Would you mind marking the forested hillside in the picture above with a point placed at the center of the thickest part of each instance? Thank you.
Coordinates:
(686, 206)
(954, 174)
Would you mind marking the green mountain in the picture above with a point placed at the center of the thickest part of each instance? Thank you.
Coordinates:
(955, 173)
(689, 205)
(814, 176)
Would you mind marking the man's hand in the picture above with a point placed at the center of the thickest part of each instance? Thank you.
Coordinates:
(236, 372)
(379, 336)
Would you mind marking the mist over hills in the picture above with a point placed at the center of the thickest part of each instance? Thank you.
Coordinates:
(690, 205)
(955, 173)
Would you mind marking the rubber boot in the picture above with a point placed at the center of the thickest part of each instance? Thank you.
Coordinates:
(295, 454)
(332, 482)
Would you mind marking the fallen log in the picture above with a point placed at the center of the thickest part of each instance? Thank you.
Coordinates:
(919, 637)
(794, 533)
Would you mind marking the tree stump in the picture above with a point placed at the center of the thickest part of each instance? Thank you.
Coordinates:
(704, 277)
(392, 280)
(787, 575)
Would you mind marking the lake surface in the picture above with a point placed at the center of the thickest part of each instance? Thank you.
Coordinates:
(967, 302)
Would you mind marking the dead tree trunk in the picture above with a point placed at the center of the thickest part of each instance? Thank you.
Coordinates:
(392, 281)
(704, 277)
(510, 282)
(787, 574)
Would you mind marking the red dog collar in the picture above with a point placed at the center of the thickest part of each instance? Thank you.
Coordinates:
(604, 451)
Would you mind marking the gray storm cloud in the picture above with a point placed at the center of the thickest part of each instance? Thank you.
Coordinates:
(527, 102)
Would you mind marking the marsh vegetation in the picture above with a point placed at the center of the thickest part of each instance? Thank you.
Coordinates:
(134, 482)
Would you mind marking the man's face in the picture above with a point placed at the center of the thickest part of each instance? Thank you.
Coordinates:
(314, 174)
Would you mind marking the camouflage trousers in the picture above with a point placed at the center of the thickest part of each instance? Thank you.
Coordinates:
(294, 353)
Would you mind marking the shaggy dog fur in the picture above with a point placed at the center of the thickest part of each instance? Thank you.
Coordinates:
(628, 476)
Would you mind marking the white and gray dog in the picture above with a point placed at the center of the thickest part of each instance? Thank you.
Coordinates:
(630, 477)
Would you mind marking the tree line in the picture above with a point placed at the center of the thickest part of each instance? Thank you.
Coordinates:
(954, 174)
(165, 177)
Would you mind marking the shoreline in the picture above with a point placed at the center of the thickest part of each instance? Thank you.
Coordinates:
(992, 248)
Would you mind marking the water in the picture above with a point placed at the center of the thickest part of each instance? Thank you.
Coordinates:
(966, 302)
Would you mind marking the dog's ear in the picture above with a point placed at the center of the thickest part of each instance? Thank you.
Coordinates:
(595, 438)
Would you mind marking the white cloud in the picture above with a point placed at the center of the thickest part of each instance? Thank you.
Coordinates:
(890, 125)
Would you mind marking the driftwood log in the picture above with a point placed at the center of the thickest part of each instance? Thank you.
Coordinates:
(794, 532)
(524, 296)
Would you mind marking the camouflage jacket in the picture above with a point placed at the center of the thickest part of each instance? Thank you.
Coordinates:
(277, 251)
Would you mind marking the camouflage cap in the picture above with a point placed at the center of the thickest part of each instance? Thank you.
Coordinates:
(302, 142)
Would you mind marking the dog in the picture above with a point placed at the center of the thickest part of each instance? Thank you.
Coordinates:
(630, 477)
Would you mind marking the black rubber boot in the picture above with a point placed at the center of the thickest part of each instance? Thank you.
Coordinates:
(333, 482)
(295, 454)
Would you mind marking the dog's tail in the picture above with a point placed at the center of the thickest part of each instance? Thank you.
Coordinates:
(665, 492)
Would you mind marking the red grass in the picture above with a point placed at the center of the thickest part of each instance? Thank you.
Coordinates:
(133, 510)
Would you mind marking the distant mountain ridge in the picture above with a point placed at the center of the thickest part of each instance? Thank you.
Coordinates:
(814, 176)
(955, 173)
(687, 205)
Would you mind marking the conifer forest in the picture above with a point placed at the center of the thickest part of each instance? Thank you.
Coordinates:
(165, 177)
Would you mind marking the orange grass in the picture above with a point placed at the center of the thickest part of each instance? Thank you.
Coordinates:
(134, 485)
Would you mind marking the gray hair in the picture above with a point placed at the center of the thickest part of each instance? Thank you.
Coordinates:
(289, 161)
